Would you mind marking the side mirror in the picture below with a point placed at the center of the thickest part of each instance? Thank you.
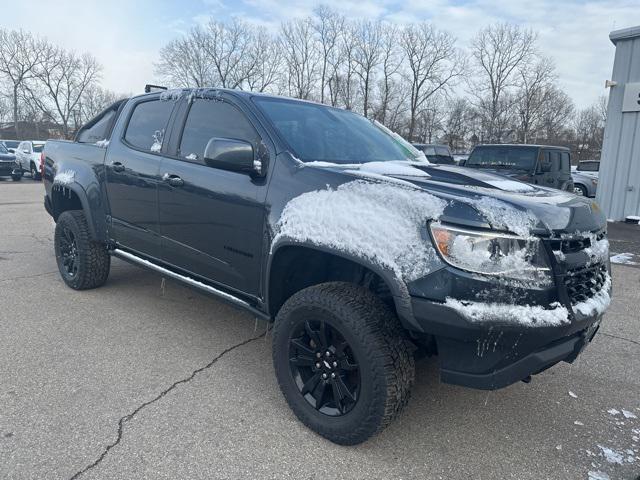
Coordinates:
(233, 155)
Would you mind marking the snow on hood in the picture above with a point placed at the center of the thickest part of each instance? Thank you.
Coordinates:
(382, 222)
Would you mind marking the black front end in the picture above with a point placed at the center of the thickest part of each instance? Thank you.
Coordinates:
(500, 350)
(9, 167)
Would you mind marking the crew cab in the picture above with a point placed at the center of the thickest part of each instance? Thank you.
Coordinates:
(361, 252)
(537, 164)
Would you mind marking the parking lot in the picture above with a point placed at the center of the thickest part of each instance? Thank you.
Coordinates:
(133, 380)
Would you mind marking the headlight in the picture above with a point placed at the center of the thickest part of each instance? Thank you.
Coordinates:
(490, 253)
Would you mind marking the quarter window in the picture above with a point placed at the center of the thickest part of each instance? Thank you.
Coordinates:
(212, 118)
(147, 125)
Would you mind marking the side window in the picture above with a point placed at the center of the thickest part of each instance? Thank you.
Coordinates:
(566, 162)
(147, 125)
(99, 130)
(212, 118)
(554, 156)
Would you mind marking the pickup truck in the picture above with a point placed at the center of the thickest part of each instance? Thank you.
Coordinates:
(362, 253)
(537, 164)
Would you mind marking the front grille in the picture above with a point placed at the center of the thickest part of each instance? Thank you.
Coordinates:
(583, 283)
(573, 245)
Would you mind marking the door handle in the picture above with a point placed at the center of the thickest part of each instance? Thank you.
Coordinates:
(173, 180)
(117, 166)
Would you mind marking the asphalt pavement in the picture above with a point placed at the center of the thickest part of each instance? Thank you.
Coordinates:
(135, 381)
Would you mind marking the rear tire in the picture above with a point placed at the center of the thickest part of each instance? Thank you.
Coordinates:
(342, 314)
(83, 263)
(16, 178)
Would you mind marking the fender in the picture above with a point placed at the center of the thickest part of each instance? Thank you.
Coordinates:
(70, 174)
(397, 286)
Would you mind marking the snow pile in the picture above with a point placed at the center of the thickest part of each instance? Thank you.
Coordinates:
(526, 315)
(510, 185)
(102, 143)
(65, 178)
(173, 94)
(191, 156)
(628, 414)
(623, 259)
(381, 222)
(598, 303)
(501, 215)
(598, 476)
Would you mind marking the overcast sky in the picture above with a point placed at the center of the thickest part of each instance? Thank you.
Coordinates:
(125, 36)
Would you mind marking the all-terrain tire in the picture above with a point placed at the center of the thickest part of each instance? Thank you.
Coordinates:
(382, 351)
(16, 178)
(93, 259)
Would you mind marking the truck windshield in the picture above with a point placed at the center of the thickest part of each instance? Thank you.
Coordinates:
(319, 133)
(513, 158)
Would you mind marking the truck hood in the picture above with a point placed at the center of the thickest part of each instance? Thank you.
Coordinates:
(471, 195)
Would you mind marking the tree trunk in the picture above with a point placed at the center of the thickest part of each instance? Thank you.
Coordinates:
(15, 111)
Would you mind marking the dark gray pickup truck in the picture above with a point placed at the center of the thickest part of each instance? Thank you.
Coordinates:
(361, 252)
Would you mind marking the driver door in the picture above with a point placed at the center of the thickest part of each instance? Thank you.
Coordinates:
(212, 220)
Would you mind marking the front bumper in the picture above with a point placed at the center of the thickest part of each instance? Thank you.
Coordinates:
(492, 355)
(9, 168)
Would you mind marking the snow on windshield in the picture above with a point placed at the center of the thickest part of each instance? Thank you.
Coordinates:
(379, 221)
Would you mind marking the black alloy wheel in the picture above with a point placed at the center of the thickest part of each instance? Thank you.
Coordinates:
(324, 367)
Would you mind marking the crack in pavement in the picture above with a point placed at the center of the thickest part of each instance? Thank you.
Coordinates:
(619, 337)
(27, 276)
(130, 416)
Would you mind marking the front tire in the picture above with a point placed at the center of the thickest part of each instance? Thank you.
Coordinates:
(580, 190)
(83, 263)
(342, 361)
(16, 178)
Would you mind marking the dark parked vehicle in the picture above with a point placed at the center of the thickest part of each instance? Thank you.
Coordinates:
(360, 251)
(537, 164)
(11, 145)
(436, 153)
(9, 166)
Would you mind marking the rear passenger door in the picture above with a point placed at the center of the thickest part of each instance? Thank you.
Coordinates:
(212, 224)
(132, 168)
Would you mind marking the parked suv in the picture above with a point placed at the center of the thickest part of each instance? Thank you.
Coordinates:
(9, 166)
(28, 154)
(537, 164)
(338, 231)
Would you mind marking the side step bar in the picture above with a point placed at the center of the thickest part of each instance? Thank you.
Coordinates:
(130, 257)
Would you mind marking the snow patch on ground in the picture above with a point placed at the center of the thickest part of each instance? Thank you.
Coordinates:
(623, 259)
(65, 177)
(382, 222)
(628, 414)
(598, 476)
(503, 216)
(611, 455)
(573, 395)
(613, 411)
(526, 315)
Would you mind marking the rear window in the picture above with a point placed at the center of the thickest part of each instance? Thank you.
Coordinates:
(147, 125)
(38, 147)
(589, 166)
(517, 158)
(99, 130)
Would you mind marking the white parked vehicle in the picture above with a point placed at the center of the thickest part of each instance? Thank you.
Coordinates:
(28, 154)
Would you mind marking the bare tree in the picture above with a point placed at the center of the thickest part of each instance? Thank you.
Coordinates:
(534, 91)
(265, 63)
(434, 65)
(184, 62)
(20, 55)
(390, 64)
(344, 80)
(369, 42)
(557, 111)
(498, 51)
(300, 56)
(457, 120)
(95, 99)
(64, 78)
(589, 132)
(327, 25)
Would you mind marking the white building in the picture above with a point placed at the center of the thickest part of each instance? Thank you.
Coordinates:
(619, 184)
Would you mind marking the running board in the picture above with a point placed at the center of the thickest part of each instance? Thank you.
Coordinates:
(189, 281)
